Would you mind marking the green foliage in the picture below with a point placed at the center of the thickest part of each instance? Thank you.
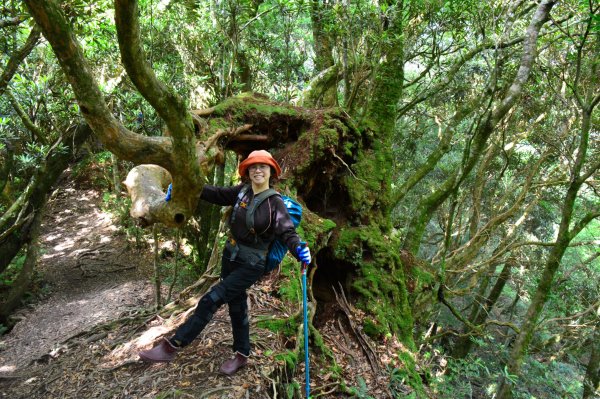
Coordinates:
(362, 391)
(10, 274)
(460, 379)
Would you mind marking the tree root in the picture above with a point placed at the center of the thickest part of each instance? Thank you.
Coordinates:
(360, 336)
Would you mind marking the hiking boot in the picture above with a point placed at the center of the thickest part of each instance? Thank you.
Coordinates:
(163, 352)
(234, 364)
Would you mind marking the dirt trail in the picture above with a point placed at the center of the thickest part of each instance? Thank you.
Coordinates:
(91, 273)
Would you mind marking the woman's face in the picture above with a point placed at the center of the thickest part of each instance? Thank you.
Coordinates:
(259, 173)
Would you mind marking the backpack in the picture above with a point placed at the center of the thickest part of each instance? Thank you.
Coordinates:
(277, 249)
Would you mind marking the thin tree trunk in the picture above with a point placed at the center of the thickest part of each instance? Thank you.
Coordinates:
(115, 175)
(176, 265)
(157, 281)
(323, 52)
(564, 237)
(18, 57)
(21, 284)
(481, 312)
(591, 383)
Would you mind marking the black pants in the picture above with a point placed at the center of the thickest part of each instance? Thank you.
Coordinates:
(236, 277)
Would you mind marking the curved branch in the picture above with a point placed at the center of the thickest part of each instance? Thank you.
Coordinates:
(529, 54)
(11, 21)
(124, 143)
(316, 90)
(167, 103)
(18, 57)
(25, 118)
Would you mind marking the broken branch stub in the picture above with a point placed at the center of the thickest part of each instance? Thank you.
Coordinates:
(146, 185)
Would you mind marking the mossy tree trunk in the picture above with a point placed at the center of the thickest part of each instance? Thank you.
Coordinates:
(327, 95)
(21, 284)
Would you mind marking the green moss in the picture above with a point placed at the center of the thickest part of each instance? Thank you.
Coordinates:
(373, 329)
(327, 138)
(290, 358)
(380, 282)
(369, 188)
(291, 287)
(407, 372)
(286, 326)
(246, 104)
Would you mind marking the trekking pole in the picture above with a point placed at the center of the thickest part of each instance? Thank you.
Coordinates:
(304, 307)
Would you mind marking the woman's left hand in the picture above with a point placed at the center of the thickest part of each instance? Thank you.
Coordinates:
(303, 254)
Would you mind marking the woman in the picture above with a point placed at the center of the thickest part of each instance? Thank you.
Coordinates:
(243, 260)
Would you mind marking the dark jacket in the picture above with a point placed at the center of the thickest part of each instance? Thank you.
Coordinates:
(271, 219)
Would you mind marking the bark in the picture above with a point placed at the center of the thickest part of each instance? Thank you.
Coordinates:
(114, 161)
(426, 209)
(316, 93)
(25, 118)
(156, 267)
(591, 383)
(165, 101)
(8, 155)
(15, 236)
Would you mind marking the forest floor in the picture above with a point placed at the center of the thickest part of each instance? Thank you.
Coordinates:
(81, 339)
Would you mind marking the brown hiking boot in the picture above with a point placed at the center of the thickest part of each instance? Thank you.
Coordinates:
(234, 364)
(163, 352)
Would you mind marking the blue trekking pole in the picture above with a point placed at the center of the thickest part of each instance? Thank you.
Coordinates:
(304, 307)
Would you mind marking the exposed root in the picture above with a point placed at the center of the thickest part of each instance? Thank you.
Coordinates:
(362, 338)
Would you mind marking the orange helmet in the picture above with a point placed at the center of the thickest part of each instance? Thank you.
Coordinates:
(260, 156)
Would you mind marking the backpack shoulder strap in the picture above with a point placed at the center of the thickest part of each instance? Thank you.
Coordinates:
(258, 199)
(236, 207)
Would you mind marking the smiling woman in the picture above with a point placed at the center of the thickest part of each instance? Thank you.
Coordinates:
(244, 259)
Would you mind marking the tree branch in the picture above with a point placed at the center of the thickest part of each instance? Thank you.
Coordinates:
(25, 118)
(124, 143)
(18, 57)
(529, 54)
(11, 21)
(166, 102)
